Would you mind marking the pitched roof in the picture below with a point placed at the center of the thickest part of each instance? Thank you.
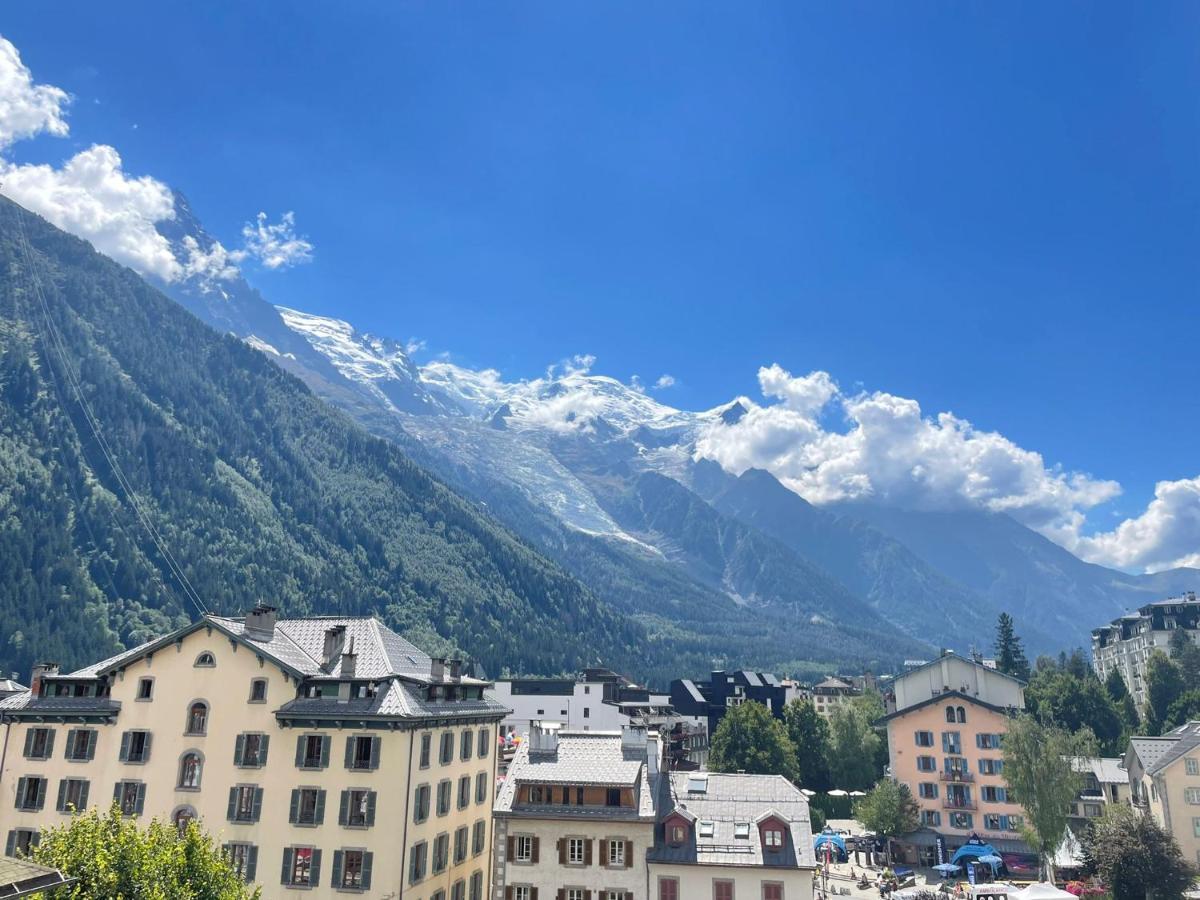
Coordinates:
(942, 698)
(1108, 770)
(730, 800)
(1167, 749)
(22, 878)
(1151, 750)
(965, 659)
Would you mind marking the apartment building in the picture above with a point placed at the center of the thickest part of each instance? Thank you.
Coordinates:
(1105, 784)
(1126, 643)
(709, 700)
(832, 693)
(1164, 781)
(595, 700)
(945, 729)
(727, 836)
(329, 754)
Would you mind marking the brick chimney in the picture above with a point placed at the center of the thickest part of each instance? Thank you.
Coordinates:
(36, 674)
(260, 623)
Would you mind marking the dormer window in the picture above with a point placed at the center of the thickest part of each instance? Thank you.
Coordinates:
(205, 661)
(773, 838)
(678, 833)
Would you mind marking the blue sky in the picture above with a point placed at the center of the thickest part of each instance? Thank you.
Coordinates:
(991, 208)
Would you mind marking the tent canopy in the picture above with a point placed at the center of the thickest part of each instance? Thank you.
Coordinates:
(828, 837)
(1041, 891)
(972, 851)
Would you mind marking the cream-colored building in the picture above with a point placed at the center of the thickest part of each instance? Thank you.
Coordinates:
(1105, 784)
(832, 693)
(329, 755)
(1164, 782)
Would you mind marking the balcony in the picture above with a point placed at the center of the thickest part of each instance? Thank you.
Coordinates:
(959, 775)
(958, 803)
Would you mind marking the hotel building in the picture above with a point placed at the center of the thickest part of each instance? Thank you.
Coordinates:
(1126, 643)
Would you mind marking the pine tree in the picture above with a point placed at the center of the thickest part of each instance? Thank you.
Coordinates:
(1010, 655)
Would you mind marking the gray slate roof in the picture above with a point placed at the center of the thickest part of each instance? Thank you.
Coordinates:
(1108, 770)
(398, 700)
(1152, 751)
(730, 799)
(1185, 739)
(20, 877)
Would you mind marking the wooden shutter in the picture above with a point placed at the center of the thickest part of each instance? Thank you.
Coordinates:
(258, 795)
(300, 752)
(264, 741)
(83, 795)
(561, 843)
(239, 749)
(349, 751)
(285, 876)
(603, 852)
(314, 875)
(140, 804)
(510, 848)
(533, 894)
(629, 854)
(537, 843)
(10, 848)
(229, 814)
(50, 743)
(338, 856)
(562, 894)
(376, 743)
(29, 732)
(326, 740)
(91, 744)
(587, 851)
(587, 895)
(370, 808)
(320, 810)
(508, 892)
(294, 809)
(344, 808)
(251, 862)
(61, 805)
(125, 747)
(368, 860)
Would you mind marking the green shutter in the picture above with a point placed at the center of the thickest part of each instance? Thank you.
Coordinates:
(29, 741)
(239, 749)
(251, 862)
(315, 873)
(368, 858)
(10, 847)
(91, 747)
(125, 747)
(286, 874)
(338, 856)
(41, 792)
(319, 816)
(83, 795)
(300, 751)
(258, 795)
(61, 805)
(294, 810)
(141, 799)
(263, 743)
(376, 742)
(371, 808)
(50, 743)
(326, 740)
(232, 804)
(349, 751)
(146, 747)
(344, 808)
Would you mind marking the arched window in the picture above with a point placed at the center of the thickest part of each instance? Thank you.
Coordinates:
(950, 714)
(205, 661)
(197, 720)
(191, 764)
(962, 715)
(182, 816)
(258, 690)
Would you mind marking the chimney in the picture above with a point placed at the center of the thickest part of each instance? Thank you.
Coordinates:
(335, 637)
(349, 660)
(260, 623)
(634, 737)
(655, 748)
(543, 737)
(36, 674)
(437, 668)
(455, 666)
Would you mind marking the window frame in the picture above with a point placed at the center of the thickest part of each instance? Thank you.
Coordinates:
(180, 784)
(189, 729)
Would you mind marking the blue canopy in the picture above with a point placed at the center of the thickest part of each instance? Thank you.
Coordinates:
(828, 837)
(972, 851)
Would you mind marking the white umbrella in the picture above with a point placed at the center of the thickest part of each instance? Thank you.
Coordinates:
(838, 792)
(858, 793)
(1041, 891)
(947, 868)
(807, 793)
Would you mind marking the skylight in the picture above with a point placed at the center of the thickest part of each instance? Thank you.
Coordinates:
(706, 829)
(741, 830)
(697, 784)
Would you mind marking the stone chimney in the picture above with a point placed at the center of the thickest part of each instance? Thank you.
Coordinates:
(335, 637)
(633, 738)
(349, 660)
(455, 669)
(543, 737)
(437, 668)
(39, 671)
(260, 623)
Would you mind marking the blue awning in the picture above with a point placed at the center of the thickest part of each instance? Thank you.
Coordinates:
(972, 851)
(826, 837)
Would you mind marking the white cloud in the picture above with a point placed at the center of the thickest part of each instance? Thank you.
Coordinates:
(414, 345)
(276, 246)
(635, 382)
(27, 109)
(91, 196)
(892, 453)
(1166, 535)
(664, 381)
(216, 263)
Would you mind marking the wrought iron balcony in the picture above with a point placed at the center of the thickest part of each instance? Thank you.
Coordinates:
(959, 775)
(958, 803)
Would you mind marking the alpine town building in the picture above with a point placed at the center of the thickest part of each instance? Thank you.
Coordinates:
(330, 755)
(592, 816)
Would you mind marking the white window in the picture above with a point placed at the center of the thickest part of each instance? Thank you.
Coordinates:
(616, 853)
(773, 838)
(1192, 765)
(522, 892)
(574, 893)
(1196, 827)
(575, 851)
(1192, 795)
(741, 830)
(524, 848)
(706, 829)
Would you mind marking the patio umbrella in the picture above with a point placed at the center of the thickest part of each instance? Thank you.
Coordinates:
(947, 868)
(838, 792)
(807, 793)
(991, 859)
(858, 793)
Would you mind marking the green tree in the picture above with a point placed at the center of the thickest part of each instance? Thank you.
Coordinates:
(1135, 857)
(749, 739)
(809, 733)
(1185, 708)
(1186, 654)
(1114, 686)
(1010, 655)
(889, 810)
(1164, 685)
(1060, 698)
(1038, 770)
(854, 745)
(111, 857)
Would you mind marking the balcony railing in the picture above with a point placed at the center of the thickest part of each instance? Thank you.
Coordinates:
(957, 803)
(960, 775)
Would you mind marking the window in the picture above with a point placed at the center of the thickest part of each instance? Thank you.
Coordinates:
(301, 866)
(205, 661)
(575, 894)
(668, 888)
(951, 742)
(741, 830)
(587, 712)
(988, 741)
(307, 806)
(460, 844)
(616, 854)
(145, 689)
(31, 793)
(772, 890)
(312, 751)
(961, 820)
(576, 848)
(426, 741)
(362, 752)
(245, 803)
(706, 829)
(991, 821)
(458, 891)
(773, 838)
(931, 817)
(250, 750)
(464, 791)
(1016, 823)
(352, 869)
(135, 747)
(131, 796)
(197, 720)
(950, 714)
(39, 743)
(447, 750)
(441, 853)
(612, 797)
(927, 790)
(478, 837)
(258, 690)
(722, 890)
(421, 803)
(357, 808)
(1192, 795)
(522, 892)
(993, 794)
(81, 744)
(190, 769)
(485, 741)
(182, 817)
(21, 841)
(962, 715)
(991, 766)
(72, 795)
(476, 886)
(523, 848)
(443, 797)
(243, 858)
(481, 787)
(926, 764)
(416, 862)
(678, 834)
(1192, 765)
(924, 738)
(466, 747)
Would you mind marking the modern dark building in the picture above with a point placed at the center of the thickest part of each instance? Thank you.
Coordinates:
(725, 689)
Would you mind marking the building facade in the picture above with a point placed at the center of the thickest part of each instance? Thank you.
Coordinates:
(945, 731)
(1125, 644)
(832, 693)
(709, 700)
(1105, 784)
(330, 755)
(1164, 782)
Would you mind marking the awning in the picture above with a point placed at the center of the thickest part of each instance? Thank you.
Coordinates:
(972, 851)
